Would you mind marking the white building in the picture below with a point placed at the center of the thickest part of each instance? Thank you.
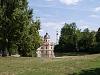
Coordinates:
(47, 48)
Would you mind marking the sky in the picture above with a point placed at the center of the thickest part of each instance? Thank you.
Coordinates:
(54, 13)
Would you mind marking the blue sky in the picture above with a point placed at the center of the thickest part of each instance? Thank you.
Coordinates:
(54, 13)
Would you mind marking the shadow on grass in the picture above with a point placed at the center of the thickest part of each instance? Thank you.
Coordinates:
(88, 72)
(74, 54)
(71, 54)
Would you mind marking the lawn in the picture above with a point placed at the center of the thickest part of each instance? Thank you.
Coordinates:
(67, 65)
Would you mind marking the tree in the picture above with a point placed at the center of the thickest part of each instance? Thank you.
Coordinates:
(67, 40)
(84, 40)
(98, 36)
(98, 39)
(87, 40)
(15, 26)
(77, 38)
(92, 39)
(73, 39)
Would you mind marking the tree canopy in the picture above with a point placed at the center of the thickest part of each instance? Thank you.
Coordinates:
(72, 39)
(18, 30)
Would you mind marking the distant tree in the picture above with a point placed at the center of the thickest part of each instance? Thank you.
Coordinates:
(92, 39)
(84, 41)
(98, 36)
(87, 40)
(67, 41)
(98, 39)
(78, 37)
(73, 39)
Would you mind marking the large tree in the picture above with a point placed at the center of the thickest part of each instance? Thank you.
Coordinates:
(87, 40)
(16, 24)
(68, 38)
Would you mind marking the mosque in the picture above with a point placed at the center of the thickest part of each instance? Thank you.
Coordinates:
(47, 48)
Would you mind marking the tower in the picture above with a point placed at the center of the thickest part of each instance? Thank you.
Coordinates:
(47, 48)
(57, 37)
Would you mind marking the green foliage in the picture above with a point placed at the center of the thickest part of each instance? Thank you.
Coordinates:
(73, 39)
(98, 40)
(87, 40)
(98, 36)
(68, 37)
(18, 28)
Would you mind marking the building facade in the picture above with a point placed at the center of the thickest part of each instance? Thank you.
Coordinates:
(47, 48)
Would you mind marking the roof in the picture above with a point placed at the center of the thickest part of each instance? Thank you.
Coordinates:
(46, 36)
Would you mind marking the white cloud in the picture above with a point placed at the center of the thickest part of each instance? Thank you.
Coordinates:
(51, 27)
(49, 0)
(91, 27)
(70, 2)
(82, 24)
(67, 2)
(41, 30)
(92, 0)
(94, 16)
(54, 25)
(97, 9)
(49, 24)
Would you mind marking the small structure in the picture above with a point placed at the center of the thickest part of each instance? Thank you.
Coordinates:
(16, 55)
(47, 48)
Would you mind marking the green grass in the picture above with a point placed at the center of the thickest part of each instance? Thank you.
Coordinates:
(68, 65)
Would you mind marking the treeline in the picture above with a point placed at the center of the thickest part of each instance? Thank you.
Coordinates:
(18, 31)
(72, 39)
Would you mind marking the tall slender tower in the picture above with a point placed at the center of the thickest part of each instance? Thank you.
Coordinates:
(57, 37)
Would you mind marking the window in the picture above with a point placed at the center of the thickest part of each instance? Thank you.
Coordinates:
(46, 40)
(46, 47)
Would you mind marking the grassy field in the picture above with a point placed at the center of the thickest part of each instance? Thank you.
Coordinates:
(68, 65)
